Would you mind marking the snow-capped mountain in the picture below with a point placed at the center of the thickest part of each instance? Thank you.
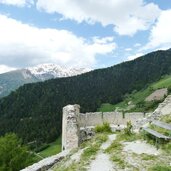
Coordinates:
(10, 81)
(48, 71)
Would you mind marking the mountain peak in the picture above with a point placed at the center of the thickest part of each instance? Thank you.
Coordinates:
(49, 70)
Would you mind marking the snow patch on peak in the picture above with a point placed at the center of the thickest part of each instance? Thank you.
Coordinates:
(48, 71)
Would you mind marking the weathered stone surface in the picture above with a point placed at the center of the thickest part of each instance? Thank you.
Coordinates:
(133, 117)
(86, 134)
(164, 107)
(94, 118)
(83, 120)
(113, 117)
(70, 127)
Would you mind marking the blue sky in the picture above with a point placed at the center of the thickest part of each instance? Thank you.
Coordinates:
(86, 33)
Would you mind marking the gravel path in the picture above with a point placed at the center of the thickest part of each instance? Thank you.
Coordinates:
(102, 161)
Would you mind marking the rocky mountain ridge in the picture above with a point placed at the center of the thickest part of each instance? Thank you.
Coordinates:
(10, 81)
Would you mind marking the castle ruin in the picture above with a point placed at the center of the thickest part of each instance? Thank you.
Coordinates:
(74, 121)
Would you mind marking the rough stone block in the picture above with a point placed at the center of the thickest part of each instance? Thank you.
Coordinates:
(94, 119)
(115, 118)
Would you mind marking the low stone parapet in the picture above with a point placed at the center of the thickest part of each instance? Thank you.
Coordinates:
(47, 163)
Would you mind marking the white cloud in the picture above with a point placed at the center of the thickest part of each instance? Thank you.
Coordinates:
(126, 16)
(128, 49)
(24, 45)
(4, 68)
(132, 57)
(19, 3)
(160, 36)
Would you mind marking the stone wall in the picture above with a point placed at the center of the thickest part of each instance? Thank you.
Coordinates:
(73, 120)
(48, 162)
(116, 118)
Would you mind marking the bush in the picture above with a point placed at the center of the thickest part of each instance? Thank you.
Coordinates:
(13, 155)
(128, 129)
(103, 128)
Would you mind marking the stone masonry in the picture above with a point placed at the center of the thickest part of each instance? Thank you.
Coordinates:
(73, 120)
(70, 127)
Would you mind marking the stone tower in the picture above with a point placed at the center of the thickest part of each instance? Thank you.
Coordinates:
(70, 127)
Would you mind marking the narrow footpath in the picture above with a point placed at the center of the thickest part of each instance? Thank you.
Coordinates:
(102, 161)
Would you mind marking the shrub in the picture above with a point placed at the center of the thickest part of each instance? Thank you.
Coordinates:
(103, 128)
(128, 129)
(13, 155)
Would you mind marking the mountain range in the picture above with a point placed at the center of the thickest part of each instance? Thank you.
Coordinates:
(34, 111)
(10, 81)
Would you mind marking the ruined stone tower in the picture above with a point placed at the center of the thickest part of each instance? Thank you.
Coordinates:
(70, 127)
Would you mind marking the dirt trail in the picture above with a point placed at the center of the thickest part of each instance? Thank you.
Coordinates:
(102, 161)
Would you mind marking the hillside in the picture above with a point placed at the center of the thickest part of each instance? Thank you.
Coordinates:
(10, 81)
(34, 110)
(135, 101)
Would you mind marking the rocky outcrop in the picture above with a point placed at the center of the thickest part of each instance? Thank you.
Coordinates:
(157, 95)
(164, 108)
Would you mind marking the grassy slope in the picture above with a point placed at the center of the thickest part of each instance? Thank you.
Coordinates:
(137, 97)
(53, 149)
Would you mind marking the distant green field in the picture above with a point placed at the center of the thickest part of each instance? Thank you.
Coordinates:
(137, 97)
(53, 149)
(163, 83)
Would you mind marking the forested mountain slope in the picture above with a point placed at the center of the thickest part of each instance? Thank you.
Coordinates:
(12, 80)
(34, 111)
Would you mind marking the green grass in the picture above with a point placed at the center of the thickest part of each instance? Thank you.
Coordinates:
(148, 157)
(166, 118)
(163, 83)
(103, 128)
(160, 168)
(115, 150)
(137, 98)
(53, 149)
(161, 130)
